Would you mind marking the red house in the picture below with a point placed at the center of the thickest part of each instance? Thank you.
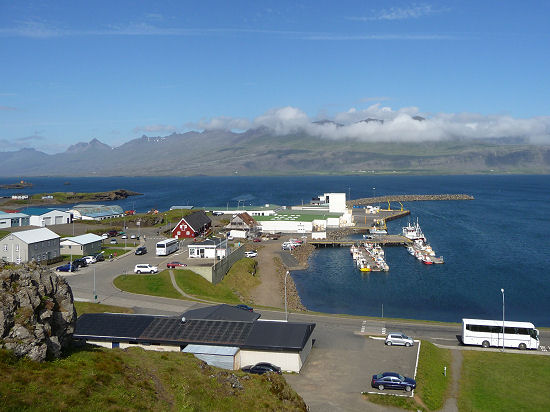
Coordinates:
(193, 225)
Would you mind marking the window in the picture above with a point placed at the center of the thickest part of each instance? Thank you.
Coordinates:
(16, 248)
(36, 246)
(5, 248)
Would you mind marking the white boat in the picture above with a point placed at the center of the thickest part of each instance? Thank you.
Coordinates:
(413, 232)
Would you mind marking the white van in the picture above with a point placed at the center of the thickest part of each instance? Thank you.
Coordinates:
(145, 268)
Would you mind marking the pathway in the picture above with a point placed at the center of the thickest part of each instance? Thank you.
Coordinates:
(451, 404)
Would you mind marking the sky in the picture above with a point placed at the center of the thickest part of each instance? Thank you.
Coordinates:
(72, 71)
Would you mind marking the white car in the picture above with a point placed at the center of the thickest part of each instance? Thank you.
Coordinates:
(398, 338)
(124, 237)
(145, 268)
(89, 259)
(250, 254)
(132, 236)
(104, 236)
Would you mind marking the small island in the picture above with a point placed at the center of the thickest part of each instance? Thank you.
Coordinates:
(59, 198)
(20, 185)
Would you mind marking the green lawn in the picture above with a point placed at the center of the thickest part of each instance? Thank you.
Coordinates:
(493, 381)
(88, 307)
(98, 379)
(196, 285)
(156, 285)
(4, 233)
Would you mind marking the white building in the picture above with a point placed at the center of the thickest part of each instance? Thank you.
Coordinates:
(85, 245)
(39, 245)
(42, 217)
(221, 335)
(212, 248)
(96, 212)
(13, 220)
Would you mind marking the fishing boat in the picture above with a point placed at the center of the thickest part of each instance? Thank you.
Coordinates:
(413, 232)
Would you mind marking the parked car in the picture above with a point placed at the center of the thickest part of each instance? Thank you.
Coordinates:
(90, 259)
(217, 213)
(229, 237)
(173, 265)
(288, 246)
(80, 262)
(66, 268)
(398, 338)
(99, 257)
(145, 268)
(134, 237)
(124, 237)
(113, 241)
(250, 253)
(257, 239)
(141, 250)
(112, 233)
(245, 307)
(104, 236)
(261, 368)
(392, 380)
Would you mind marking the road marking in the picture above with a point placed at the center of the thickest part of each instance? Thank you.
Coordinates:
(363, 326)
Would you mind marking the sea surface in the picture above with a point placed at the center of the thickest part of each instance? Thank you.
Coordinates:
(499, 240)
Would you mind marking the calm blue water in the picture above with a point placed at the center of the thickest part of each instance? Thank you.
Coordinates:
(499, 240)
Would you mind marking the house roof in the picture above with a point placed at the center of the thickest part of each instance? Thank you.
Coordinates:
(197, 220)
(222, 312)
(178, 331)
(98, 210)
(36, 235)
(246, 218)
(84, 239)
(13, 215)
(208, 242)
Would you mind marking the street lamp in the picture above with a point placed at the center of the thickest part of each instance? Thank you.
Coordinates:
(286, 311)
(502, 291)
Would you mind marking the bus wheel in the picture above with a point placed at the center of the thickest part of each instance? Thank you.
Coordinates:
(522, 346)
(485, 344)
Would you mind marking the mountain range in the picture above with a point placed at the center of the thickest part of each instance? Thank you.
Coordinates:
(261, 152)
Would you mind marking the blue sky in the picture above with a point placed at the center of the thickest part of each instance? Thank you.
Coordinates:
(114, 70)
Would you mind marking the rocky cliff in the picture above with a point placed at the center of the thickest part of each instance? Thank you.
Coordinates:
(37, 314)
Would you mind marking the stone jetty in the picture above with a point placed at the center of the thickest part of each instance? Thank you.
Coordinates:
(406, 198)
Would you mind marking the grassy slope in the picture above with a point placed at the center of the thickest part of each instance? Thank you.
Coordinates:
(504, 382)
(96, 379)
(88, 307)
(235, 288)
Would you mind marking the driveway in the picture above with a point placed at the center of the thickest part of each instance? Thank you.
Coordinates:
(340, 367)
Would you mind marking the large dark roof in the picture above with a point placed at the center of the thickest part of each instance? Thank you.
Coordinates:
(222, 312)
(249, 334)
(197, 220)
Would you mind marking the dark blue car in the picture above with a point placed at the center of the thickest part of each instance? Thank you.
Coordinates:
(392, 380)
(66, 268)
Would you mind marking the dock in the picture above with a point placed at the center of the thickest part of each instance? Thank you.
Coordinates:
(382, 240)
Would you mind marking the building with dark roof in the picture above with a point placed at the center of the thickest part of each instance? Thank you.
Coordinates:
(193, 225)
(246, 338)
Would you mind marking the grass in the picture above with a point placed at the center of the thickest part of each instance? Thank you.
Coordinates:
(241, 279)
(98, 379)
(432, 385)
(88, 307)
(504, 382)
(155, 285)
(4, 233)
(199, 287)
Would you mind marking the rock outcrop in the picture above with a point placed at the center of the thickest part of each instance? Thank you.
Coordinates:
(37, 313)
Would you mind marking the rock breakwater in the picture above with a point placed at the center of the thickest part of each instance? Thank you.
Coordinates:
(407, 198)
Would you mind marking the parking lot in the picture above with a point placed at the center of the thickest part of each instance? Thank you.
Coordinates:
(340, 367)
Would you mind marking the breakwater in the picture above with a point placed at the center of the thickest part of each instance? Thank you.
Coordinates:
(407, 198)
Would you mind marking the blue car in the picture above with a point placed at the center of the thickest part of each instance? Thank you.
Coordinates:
(245, 307)
(392, 380)
(66, 268)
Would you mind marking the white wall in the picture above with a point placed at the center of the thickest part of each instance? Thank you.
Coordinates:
(240, 234)
(287, 361)
(124, 345)
(337, 202)
(283, 226)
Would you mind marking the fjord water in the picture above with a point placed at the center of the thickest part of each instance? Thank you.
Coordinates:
(499, 240)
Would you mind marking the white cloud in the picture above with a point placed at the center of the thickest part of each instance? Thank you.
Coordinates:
(395, 125)
(155, 128)
(415, 11)
(221, 123)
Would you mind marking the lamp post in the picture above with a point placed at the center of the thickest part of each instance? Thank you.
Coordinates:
(286, 311)
(502, 291)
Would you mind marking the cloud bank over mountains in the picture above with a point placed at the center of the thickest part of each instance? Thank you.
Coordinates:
(382, 123)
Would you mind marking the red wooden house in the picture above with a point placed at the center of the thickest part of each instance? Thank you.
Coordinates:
(193, 225)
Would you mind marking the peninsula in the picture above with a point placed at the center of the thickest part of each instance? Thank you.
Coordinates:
(59, 198)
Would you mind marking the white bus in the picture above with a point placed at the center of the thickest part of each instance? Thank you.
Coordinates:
(522, 335)
(165, 247)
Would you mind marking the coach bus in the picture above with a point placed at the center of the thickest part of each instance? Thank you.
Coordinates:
(165, 247)
(521, 335)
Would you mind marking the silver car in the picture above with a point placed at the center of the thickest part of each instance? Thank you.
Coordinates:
(398, 338)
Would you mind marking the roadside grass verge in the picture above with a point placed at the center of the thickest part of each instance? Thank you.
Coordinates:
(432, 385)
(504, 382)
(4, 233)
(89, 307)
(98, 379)
(107, 251)
(155, 285)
